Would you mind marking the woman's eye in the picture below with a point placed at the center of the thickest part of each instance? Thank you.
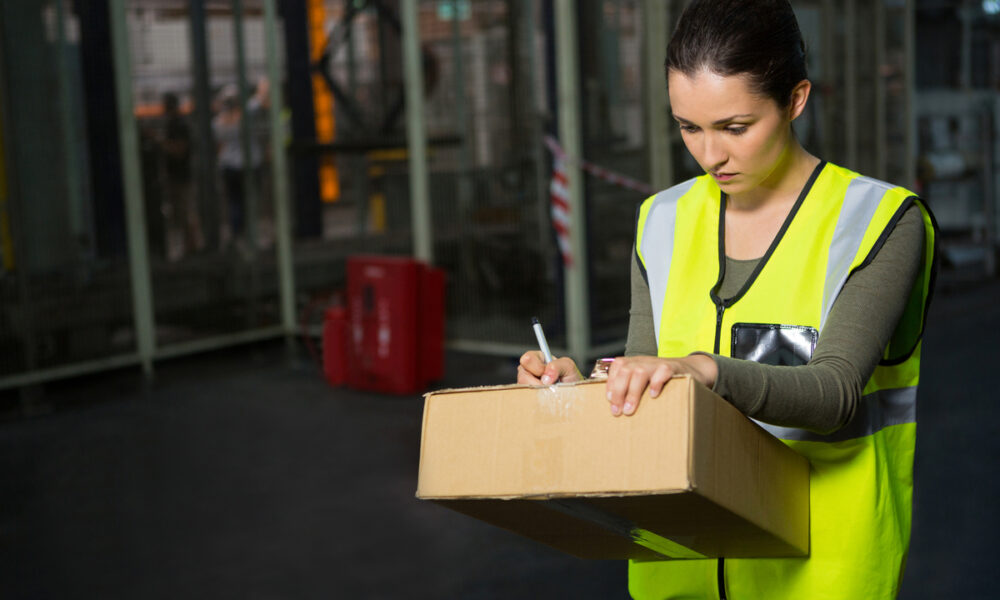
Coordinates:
(688, 128)
(737, 129)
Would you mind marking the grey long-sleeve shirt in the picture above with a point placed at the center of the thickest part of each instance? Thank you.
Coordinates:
(822, 395)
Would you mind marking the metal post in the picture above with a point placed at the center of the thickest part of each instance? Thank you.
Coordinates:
(989, 199)
(829, 79)
(208, 210)
(279, 169)
(249, 178)
(71, 134)
(250, 173)
(965, 47)
(462, 125)
(881, 144)
(909, 62)
(661, 165)
(416, 134)
(539, 155)
(135, 216)
(568, 100)
(851, 84)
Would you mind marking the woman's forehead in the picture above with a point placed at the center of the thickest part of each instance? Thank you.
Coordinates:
(709, 95)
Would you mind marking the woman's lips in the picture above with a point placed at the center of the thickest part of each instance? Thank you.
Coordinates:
(723, 176)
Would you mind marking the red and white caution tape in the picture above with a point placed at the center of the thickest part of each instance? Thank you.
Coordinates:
(596, 170)
(559, 194)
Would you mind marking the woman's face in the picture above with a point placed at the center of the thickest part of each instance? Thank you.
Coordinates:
(737, 136)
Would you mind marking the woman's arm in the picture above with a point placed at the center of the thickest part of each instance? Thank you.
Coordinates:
(641, 335)
(823, 395)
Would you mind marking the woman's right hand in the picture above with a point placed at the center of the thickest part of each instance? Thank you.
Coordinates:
(533, 371)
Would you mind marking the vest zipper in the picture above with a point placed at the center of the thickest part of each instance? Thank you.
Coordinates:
(722, 579)
(719, 309)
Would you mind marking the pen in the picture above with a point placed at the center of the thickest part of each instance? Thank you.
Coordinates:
(542, 343)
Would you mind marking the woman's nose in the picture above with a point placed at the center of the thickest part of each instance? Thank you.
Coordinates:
(713, 152)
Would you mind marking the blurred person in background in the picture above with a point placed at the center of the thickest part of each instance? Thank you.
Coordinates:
(150, 157)
(794, 288)
(227, 128)
(180, 202)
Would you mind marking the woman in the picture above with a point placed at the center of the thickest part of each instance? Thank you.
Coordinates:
(794, 288)
(228, 130)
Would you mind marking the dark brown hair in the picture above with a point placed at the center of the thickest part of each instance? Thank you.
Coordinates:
(756, 38)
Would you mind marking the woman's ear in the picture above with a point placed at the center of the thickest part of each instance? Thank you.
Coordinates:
(798, 99)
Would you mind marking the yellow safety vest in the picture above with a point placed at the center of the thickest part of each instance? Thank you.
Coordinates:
(862, 475)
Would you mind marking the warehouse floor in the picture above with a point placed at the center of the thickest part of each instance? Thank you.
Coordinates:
(241, 474)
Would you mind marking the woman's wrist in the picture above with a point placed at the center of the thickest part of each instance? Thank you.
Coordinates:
(704, 368)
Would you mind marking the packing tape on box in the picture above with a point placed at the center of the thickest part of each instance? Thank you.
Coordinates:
(622, 527)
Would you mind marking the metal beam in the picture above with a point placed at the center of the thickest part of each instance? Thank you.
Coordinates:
(135, 215)
(279, 176)
(208, 200)
(656, 15)
(829, 82)
(851, 72)
(881, 128)
(71, 370)
(568, 100)
(416, 133)
(909, 95)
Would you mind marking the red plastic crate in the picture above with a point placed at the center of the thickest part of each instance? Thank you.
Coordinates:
(395, 324)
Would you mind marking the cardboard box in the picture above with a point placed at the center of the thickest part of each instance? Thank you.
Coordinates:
(687, 476)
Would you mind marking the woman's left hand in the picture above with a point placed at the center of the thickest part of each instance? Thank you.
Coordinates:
(629, 376)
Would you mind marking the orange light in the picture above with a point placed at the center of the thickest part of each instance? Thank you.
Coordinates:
(323, 104)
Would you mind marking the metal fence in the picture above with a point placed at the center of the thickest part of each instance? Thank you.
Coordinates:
(213, 163)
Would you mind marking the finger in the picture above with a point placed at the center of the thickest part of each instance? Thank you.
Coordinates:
(659, 379)
(636, 386)
(616, 366)
(617, 386)
(567, 369)
(533, 363)
(526, 378)
(551, 373)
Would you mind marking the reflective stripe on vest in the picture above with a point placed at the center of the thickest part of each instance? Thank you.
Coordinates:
(859, 207)
(661, 213)
(875, 412)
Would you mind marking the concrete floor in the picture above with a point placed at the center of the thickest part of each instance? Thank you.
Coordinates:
(241, 474)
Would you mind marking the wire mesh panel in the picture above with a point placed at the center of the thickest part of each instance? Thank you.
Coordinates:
(64, 286)
(483, 152)
(348, 162)
(489, 186)
(615, 138)
(857, 114)
(201, 102)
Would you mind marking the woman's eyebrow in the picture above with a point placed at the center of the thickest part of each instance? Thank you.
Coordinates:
(716, 122)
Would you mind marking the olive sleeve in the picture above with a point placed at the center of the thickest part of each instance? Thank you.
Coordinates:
(641, 339)
(823, 395)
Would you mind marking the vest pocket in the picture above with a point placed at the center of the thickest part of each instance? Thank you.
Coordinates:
(774, 344)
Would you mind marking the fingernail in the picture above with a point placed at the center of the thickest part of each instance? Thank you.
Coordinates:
(615, 409)
(654, 393)
(629, 408)
(546, 379)
(609, 395)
